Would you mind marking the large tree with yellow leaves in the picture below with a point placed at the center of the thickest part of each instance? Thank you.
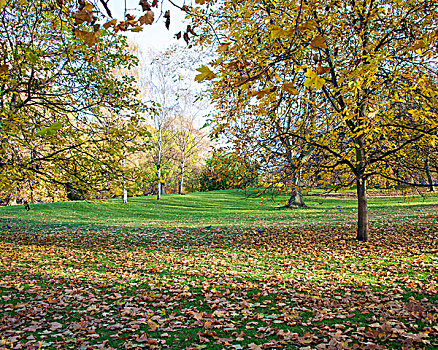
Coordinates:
(355, 81)
(61, 106)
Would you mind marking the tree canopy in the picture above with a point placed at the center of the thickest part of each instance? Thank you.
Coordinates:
(337, 73)
(61, 106)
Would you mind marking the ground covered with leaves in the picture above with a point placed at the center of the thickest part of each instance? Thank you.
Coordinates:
(303, 287)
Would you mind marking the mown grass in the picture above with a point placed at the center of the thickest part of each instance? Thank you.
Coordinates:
(219, 271)
(219, 208)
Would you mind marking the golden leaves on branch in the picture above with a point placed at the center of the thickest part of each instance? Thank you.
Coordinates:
(89, 38)
(262, 93)
(148, 18)
(322, 70)
(313, 80)
(4, 68)
(204, 74)
(318, 42)
(111, 23)
(290, 88)
(85, 14)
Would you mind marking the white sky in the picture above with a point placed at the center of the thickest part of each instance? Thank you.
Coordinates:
(154, 36)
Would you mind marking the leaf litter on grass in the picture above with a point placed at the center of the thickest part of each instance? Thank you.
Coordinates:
(312, 287)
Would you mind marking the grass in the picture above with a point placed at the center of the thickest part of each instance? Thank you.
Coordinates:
(103, 275)
(220, 209)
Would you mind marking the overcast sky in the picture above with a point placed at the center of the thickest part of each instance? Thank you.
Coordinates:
(155, 36)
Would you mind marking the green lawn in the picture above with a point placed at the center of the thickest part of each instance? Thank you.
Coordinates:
(155, 275)
(219, 209)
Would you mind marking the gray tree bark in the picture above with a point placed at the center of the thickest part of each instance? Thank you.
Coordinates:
(362, 211)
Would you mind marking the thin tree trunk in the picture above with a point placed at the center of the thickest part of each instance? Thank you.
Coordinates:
(159, 182)
(362, 211)
(125, 192)
(428, 175)
(159, 165)
(181, 181)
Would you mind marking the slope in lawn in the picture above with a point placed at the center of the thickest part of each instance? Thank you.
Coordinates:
(217, 208)
(67, 284)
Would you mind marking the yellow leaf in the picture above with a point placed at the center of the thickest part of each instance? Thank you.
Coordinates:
(200, 2)
(290, 88)
(89, 7)
(418, 44)
(322, 70)
(313, 80)
(277, 33)
(83, 16)
(113, 22)
(148, 18)
(308, 25)
(137, 29)
(152, 325)
(318, 42)
(261, 93)
(89, 39)
(4, 68)
(204, 74)
(223, 48)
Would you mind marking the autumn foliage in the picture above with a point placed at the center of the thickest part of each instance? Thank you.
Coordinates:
(186, 286)
(330, 78)
(226, 170)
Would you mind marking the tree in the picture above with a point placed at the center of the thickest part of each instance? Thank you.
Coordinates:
(60, 105)
(188, 141)
(164, 80)
(351, 61)
(184, 127)
(161, 88)
(225, 170)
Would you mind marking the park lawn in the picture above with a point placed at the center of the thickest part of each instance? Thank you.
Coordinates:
(218, 270)
(220, 209)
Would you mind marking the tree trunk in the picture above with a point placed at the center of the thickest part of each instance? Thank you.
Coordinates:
(125, 196)
(362, 211)
(428, 175)
(159, 165)
(125, 192)
(296, 196)
(181, 181)
(159, 182)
